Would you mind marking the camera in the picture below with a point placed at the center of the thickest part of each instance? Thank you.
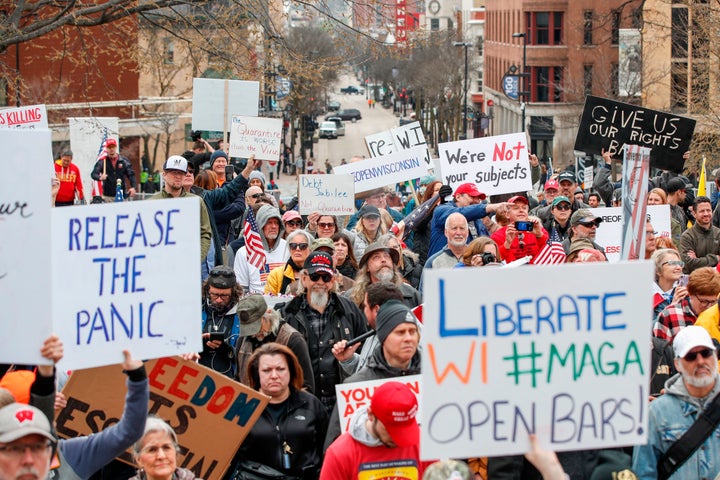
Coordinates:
(195, 135)
(524, 226)
(487, 258)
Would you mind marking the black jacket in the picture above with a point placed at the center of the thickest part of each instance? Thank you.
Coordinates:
(123, 169)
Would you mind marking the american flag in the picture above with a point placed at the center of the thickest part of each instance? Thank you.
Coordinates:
(552, 253)
(253, 242)
(97, 187)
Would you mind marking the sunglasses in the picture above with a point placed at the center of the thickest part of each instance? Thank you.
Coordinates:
(705, 353)
(326, 225)
(562, 206)
(255, 195)
(325, 277)
(298, 246)
(674, 263)
(294, 223)
(588, 224)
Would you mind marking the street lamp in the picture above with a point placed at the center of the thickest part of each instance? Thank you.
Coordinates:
(523, 75)
(465, 45)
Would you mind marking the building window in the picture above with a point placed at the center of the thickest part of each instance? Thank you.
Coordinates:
(679, 36)
(587, 79)
(546, 84)
(168, 51)
(434, 24)
(615, 27)
(678, 87)
(700, 88)
(479, 45)
(588, 28)
(479, 81)
(545, 28)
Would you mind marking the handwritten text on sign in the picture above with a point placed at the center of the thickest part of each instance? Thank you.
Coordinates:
(121, 280)
(386, 170)
(327, 194)
(396, 139)
(193, 399)
(567, 360)
(495, 164)
(257, 136)
(30, 117)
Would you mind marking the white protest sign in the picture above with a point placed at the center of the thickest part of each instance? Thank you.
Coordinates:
(86, 142)
(259, 136)
(29, 117)
(352, 396)
(498, 164)
(125, 276)
(588, 178)
(210, 101)
(396, 139)
(567, 360)
(609, 233)
(327, 194)
(387, 170)
(25, 260)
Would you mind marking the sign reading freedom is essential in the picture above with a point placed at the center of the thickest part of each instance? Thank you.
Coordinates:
(567, 360)
(25, 283)
(122, 280)
(498, 164)
(352, 396)
(29, 117)
(396, 139)
(327, 194)
(607, 124)
(193, 399)
(379, 172)
(259, 136)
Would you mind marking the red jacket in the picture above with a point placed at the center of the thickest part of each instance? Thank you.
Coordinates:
(69, 182)
(531, 244)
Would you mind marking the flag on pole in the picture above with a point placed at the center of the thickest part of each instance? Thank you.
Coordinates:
(253, 242)
(97, 186)
(553, 251)
(701, 185)
(549, 168)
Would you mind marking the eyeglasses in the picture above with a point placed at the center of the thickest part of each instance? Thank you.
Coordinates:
(298, 246)
(705, 353)
(650, 232)
(327, 225)
(294, 223)
(704, 302)
(563, 206)
(221, 296)
(674, 263)
(255, 195)
(154, 450)
(325, 277)
(17, 451)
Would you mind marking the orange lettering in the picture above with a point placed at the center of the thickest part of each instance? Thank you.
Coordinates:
(451, 367)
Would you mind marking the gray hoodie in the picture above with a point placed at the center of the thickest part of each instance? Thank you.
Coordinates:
(358, 431)
(265, 213)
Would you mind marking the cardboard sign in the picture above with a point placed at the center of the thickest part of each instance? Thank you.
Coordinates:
(259, 136)
(352, 396)
(196, 401)
(397, 139)
(327, 194)
(498, 164)
(125, 276)
(567, 360)
(609, 233)
(607, 124)
(386, 170)
(210, 101)
(29, 117)
(86, 142)
(25, 262)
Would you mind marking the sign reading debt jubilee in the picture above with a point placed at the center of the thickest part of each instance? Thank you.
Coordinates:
(609, 125)
(379, 172)
(122, 279)
(259, 136)
(193, 399)
(496, 165)
(327, 194)
(567, 360)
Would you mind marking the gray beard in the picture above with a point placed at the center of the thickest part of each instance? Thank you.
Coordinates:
(384, 275)
(319, 300)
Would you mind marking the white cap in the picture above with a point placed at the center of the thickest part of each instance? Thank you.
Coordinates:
(691, 337)
(176, 162)
(18, 420)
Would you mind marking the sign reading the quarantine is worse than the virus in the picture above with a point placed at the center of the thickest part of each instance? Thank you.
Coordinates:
(562, 352)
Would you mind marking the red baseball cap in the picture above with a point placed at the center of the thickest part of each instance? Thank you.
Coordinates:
(110, 142)
(552, 184)
(470, 189)
(396, 406)
(519, 198)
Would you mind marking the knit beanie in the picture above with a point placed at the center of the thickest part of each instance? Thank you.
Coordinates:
(259, 175)
(391, 314)
(217, 154)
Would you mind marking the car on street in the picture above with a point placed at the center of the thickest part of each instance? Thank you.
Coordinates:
(347, 114)
(339, 125)
(328, 130)
(352, 89)
(333, 106)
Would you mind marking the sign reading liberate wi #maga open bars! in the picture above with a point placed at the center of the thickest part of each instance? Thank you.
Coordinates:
(567, 360)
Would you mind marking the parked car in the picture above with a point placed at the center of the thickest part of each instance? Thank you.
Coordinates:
(352, 89)
(328, 130)
(333, 106)
(339, 125)
(347, 114)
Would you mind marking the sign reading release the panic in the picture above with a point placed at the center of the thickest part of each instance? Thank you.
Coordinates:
(496, 165)
(567, 360)
(125, 276)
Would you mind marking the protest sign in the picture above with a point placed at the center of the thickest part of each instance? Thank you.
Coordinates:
(28, 117)
(567, 360)
(25, 261)
(86, 141)
(609, 125)
(327, 194)
(498, 164)
(125, 276)
(352, 396)
(397, 139)
(386, 170)
(215, 101)
(210, 413)
(609, 233)
(259, 136)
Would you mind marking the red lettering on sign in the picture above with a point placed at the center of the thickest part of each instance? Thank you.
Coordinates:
(181, 380)
(159, 370)
(221, 400)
